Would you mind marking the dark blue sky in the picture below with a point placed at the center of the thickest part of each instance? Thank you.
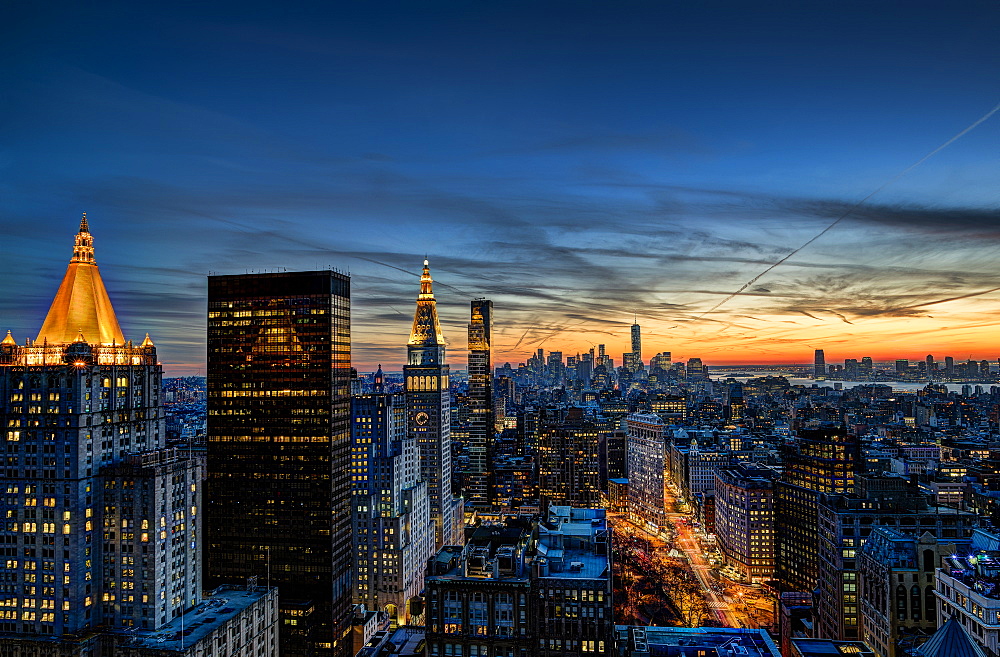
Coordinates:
(574, 161)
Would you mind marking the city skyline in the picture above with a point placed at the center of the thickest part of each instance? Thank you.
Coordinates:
(576, 165)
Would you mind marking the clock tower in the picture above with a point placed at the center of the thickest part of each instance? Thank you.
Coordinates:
(428, 408)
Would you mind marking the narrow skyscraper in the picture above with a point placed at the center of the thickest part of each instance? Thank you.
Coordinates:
(428, 405)
(481, 430)
(278, 490)
(636, 346)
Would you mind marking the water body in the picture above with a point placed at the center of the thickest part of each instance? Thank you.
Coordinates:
(901, 386)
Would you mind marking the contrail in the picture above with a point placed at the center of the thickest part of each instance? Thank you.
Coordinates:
(522, 336)
(854, 207)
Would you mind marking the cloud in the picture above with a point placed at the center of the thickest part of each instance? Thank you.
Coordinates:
(567, 259)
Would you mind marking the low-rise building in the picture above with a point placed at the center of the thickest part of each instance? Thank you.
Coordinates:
(827, 647)
(618, 495)
(231, 622)
(524, 587)
(694, 641)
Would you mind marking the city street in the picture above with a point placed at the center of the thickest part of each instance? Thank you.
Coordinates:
(688, 544)
(730, 603)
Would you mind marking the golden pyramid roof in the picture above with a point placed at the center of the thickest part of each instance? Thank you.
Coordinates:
(81, 305)
(426, 329)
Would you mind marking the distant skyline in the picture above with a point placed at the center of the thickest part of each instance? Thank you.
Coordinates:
(575, 162)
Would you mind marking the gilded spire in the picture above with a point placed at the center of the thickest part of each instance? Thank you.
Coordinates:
(426, 283)
(83, 251)
(9, 340)
(81, 307)
(426, 328)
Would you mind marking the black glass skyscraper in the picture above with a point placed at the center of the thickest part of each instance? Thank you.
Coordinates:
(481, 422)
(278, 490)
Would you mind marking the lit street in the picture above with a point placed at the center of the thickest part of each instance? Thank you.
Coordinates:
(729, 603)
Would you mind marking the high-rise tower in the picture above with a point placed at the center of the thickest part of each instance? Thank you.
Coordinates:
(819, 365)
(636, 346)
(477, 491)
(91, 542)
(428, 406)
(279, 469)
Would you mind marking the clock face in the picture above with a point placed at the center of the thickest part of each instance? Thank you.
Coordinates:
(421, 418)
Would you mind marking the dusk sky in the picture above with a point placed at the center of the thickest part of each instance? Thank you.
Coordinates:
(575, 162)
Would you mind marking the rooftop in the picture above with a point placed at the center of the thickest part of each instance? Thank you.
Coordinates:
(826, 647)
(573, 543)
(200, 621)
(977, 567)
(670, 641)
(402, 642)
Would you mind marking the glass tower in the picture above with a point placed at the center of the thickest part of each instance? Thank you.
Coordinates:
(480, 440)
(278, 489)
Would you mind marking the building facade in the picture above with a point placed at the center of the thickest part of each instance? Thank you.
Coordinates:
(967, 588)
(524, 588)
(846, 522)
(896, 588)
(278, 489)
(393, 532)
(645, 456)
(744, 520)
(73, 403)
(568, 467)
(820, 460)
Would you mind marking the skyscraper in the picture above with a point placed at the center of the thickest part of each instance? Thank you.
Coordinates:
(480, 441)
(636, 346)
(278, 490)
(92, 541)
(428, 407)
(819, 365)
(696, 370)
(393, 534)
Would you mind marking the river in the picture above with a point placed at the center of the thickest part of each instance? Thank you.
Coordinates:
(901, 386)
